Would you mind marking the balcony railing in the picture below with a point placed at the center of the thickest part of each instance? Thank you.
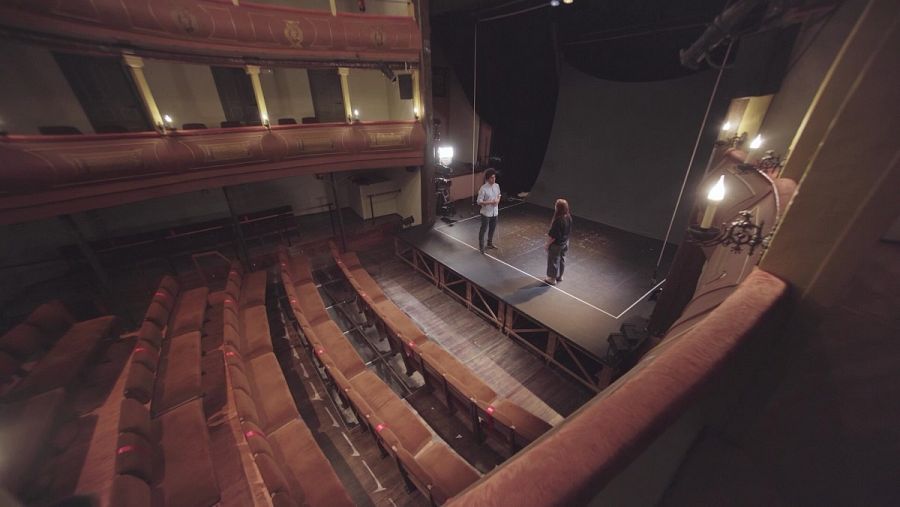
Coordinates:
(44, 176)
(214, 30)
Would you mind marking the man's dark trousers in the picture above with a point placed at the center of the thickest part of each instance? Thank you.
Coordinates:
(489, 224)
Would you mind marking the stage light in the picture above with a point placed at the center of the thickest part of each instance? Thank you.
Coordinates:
(445, 155)
(554, 3)
(168, 120)
(568, 2)
(756, 142)
(356, 114)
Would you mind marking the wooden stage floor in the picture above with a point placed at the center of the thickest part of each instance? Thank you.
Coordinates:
(608, 276)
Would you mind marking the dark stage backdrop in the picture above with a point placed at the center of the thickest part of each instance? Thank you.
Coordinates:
(618, 151)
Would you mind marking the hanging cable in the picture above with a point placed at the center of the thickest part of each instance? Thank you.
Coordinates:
(687, 173)
(474, 112)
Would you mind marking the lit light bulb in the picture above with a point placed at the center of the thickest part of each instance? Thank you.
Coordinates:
(757, 142)
(445, 155)
(715, 195)
(416, 111)
(726, 127)
(356, 113)
(554, 3)
(167, 119)
(717, 192)
(568, 2)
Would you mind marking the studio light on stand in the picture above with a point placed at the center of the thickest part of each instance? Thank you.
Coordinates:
(445, 155)
(442, 183)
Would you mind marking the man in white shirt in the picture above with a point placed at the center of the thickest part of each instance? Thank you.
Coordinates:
(489, 200)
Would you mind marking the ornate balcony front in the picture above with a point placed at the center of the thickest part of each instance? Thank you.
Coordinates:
(214, 30)
(45, 176)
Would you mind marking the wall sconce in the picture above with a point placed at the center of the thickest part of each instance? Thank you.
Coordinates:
(416, 112)
(445, 155)
(265, 122)
(167, 124)
(756, 142)
(737, 234)
(356, 115)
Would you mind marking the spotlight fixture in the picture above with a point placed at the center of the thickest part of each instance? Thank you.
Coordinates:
(554, 3)
(445, 155)
(568, 2)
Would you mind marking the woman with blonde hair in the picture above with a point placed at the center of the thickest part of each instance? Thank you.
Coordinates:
(558, 242)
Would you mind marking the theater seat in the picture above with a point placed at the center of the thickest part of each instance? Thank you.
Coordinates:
(187, 477)
(457, 374)
(448, 473)
(25, 429)
(69, 357)
(179, 377)
(130, 491)
(309, 469)
(524, 422)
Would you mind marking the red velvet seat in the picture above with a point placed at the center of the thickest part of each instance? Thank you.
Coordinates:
(69, 357)
(25, 430)
(179, 377)
(189, 312)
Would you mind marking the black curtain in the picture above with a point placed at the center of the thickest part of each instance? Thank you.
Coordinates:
(517, 85)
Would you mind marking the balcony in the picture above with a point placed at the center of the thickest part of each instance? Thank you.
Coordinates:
(44, 176)
(220, 31)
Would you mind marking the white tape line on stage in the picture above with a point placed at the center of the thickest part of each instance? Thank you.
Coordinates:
(476, 216)
(641, 298)
(576, 298)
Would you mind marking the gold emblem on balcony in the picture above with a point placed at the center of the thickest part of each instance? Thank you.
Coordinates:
(387, 140)
(293, 33)
(225, 152)
(186, 21)
(378, 36)
(315, 145)
(99, 165)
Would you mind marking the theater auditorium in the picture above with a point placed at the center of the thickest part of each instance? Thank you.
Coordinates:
(449, 252)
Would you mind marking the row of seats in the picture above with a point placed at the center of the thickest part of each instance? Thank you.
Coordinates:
(293, 467)
(424, 460)
(50, 353)
(487, 413)
(163, 453)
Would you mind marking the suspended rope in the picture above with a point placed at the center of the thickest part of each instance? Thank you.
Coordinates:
(474, 112)
(687, 173)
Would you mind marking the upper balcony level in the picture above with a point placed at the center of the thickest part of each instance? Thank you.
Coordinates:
(80, 131)
(264, 32)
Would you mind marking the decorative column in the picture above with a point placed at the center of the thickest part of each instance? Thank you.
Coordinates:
(136, 67)
(333, 7)
(344, 72)
(253, 72)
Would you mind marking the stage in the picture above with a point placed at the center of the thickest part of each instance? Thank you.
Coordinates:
(608, 281)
